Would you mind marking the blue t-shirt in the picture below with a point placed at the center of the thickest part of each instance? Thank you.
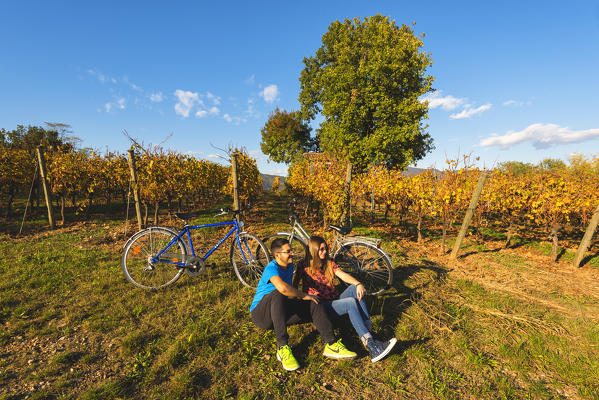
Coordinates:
(265, 286)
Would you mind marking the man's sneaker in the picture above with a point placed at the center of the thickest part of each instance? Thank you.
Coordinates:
(337, 350)
(379, 349)
(285, 356)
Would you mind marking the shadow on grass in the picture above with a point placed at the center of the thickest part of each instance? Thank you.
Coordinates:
(470, 253)
(589, 258)
(560, 254)
(392, 305)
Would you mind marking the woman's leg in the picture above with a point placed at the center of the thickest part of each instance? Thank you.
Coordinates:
(350, 307)
(350, 292)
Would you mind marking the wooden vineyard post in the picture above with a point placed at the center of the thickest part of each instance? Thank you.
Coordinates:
(235, 189)
(469, 213)
(47, 193)
(347, 206)
(586, 239)
(135, 187)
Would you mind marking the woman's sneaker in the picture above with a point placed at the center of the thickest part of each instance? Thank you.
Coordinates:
(379, 349)
(338, 350)
(285, 356)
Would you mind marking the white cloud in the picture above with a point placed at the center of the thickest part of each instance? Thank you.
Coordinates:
(132, 85)
(156, 97)
(118, 104)
(250, 80)
(227, 118)
(215, 99)
(187, 100)
(469, 111)
(101, 77)
(541, 136)
(516, 103)
(212, 111)
(447, 103)
(270, 93)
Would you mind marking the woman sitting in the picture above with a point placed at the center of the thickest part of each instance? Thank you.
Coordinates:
(317, 272)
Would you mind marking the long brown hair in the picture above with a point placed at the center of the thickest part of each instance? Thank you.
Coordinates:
(313, 263)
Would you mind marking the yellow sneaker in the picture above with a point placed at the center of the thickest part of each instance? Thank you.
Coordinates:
(285, 356)
(337, 350)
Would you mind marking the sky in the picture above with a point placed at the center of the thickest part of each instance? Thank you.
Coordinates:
(514, 80)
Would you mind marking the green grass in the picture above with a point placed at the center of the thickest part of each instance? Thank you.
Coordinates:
(65, 304)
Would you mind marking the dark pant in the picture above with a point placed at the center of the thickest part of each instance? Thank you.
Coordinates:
(276, 311)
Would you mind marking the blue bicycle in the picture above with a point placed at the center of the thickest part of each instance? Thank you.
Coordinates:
(157, 256)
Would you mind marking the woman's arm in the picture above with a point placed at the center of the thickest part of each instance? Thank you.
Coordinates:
(347, 278)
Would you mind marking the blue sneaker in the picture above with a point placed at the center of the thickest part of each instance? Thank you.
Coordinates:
(378, 350)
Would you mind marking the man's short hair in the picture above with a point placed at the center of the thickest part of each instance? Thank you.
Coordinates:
(277, 244)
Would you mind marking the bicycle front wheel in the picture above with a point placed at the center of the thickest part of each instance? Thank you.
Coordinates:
(249, 258)
(138, 262)
(368, 264)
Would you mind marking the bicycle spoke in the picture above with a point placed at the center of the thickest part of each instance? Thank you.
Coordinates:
(249, 257)
(136, 263)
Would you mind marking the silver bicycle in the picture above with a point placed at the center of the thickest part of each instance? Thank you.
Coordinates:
(359, 256)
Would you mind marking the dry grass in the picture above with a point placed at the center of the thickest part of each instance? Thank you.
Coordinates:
(494, 324)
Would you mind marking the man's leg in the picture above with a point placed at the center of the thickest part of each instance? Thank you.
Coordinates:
(271, 313)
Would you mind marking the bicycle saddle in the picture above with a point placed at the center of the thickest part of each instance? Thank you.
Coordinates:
(340, 229)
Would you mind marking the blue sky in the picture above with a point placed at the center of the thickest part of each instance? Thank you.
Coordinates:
(514, 80)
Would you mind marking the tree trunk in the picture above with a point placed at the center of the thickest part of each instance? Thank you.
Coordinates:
(418, 228)
(62, 201)
(145, 214)
(11, 196)
(444, 236)
(509, 236)
(156, 206)
(555, 241)
(89, 205)
(587, 238)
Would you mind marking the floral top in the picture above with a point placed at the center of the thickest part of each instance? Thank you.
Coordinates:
(317, 284)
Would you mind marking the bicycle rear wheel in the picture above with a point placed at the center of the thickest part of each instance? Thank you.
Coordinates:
(368, 264)
(249, 258)
(137, 260)
(299, 247)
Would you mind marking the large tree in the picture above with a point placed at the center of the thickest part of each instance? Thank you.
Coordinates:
(285, 136)
(55, 135)
(366, 80)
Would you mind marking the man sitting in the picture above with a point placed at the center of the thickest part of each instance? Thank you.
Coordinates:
(277, 304)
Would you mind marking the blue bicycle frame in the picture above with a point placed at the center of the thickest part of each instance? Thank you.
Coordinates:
(188, 228)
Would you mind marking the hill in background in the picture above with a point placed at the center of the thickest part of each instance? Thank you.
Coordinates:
(267, 181)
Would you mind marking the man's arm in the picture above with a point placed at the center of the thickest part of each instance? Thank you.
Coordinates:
(287, 290)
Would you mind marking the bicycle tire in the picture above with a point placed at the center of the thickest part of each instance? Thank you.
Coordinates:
(300, 248)
(249, 257)
(139, 251)
(368, 264)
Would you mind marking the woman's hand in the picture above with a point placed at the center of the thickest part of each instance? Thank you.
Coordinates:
(360, 291)
(310, 298)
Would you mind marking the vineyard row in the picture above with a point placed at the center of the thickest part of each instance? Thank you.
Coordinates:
(163, 177)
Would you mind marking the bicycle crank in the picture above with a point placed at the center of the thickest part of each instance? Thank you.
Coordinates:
(194, 266)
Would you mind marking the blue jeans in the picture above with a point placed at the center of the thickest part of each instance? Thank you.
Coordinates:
(348, 303)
